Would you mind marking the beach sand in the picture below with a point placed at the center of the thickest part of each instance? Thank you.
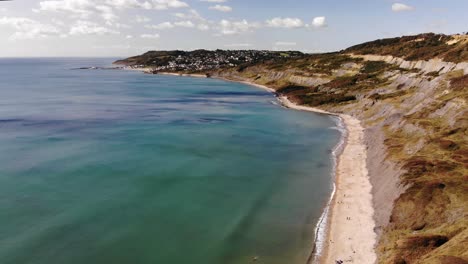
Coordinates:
(350, 235)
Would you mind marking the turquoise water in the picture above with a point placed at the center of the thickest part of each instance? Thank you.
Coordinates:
(108, 166)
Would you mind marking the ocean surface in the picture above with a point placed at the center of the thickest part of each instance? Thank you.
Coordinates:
(113, 166)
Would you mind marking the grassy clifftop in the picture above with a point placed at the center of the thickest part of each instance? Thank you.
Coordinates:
(416, 120)
(419, 47)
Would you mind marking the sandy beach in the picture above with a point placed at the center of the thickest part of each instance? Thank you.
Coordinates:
(350, 235)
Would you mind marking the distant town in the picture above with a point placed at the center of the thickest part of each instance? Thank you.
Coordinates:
(203, 60)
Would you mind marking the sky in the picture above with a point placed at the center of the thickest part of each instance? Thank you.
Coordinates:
(119, 28)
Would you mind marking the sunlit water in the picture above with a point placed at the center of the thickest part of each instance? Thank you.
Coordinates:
(109, 166)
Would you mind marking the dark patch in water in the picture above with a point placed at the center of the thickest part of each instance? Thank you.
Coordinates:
(321, 165)
(215, 120)
(244, 224)
(13, 120)
(203, 100)
(202, 120)
(52, 126)
(182, 100)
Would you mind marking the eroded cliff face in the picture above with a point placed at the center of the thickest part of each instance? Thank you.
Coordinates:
(432, 65)
(416, 119)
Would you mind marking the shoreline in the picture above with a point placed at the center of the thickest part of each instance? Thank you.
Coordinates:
(344, 219)
(347, 224)
(148, 70)
(345, 231)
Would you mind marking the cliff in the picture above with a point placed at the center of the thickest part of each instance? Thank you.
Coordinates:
(411, 96)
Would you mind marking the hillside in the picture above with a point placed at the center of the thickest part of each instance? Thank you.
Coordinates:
(411, 95)
(204, 60)
(419, 47)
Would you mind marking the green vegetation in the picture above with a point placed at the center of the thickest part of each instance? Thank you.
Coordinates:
(314, 63)
(430, 217)
(378, 96)
(418, 47)
(375, 67)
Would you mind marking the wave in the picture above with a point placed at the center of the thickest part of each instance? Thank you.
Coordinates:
(320, 232)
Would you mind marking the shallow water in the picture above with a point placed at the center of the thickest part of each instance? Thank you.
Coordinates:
(109, 166)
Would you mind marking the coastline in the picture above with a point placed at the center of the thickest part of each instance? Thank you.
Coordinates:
(183, 74)
(348, 219)
(345, 231)
(148, 70)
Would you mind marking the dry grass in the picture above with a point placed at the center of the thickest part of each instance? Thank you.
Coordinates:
(427, 46)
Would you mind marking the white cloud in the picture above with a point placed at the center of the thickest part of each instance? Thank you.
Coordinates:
(227, 27)
(124, 4)
(150, 36)
(28, 29)
(90, 28)
(184, 24)
(192, 14)
(203, 27)
(164, 25)
(279, 22)
(222, 8)
(83, 7)
(57, 22)
(166, 4)
(187, 24)
(142, 19)
(107, 13)
(87, 7)
(129, 37)
(214, 1)
(146, 4)
(399, 7)
(319, 22)
(118, 25)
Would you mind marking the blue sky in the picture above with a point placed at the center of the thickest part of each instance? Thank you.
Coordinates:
(129, 27)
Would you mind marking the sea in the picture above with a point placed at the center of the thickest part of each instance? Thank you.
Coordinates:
(116, 166)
